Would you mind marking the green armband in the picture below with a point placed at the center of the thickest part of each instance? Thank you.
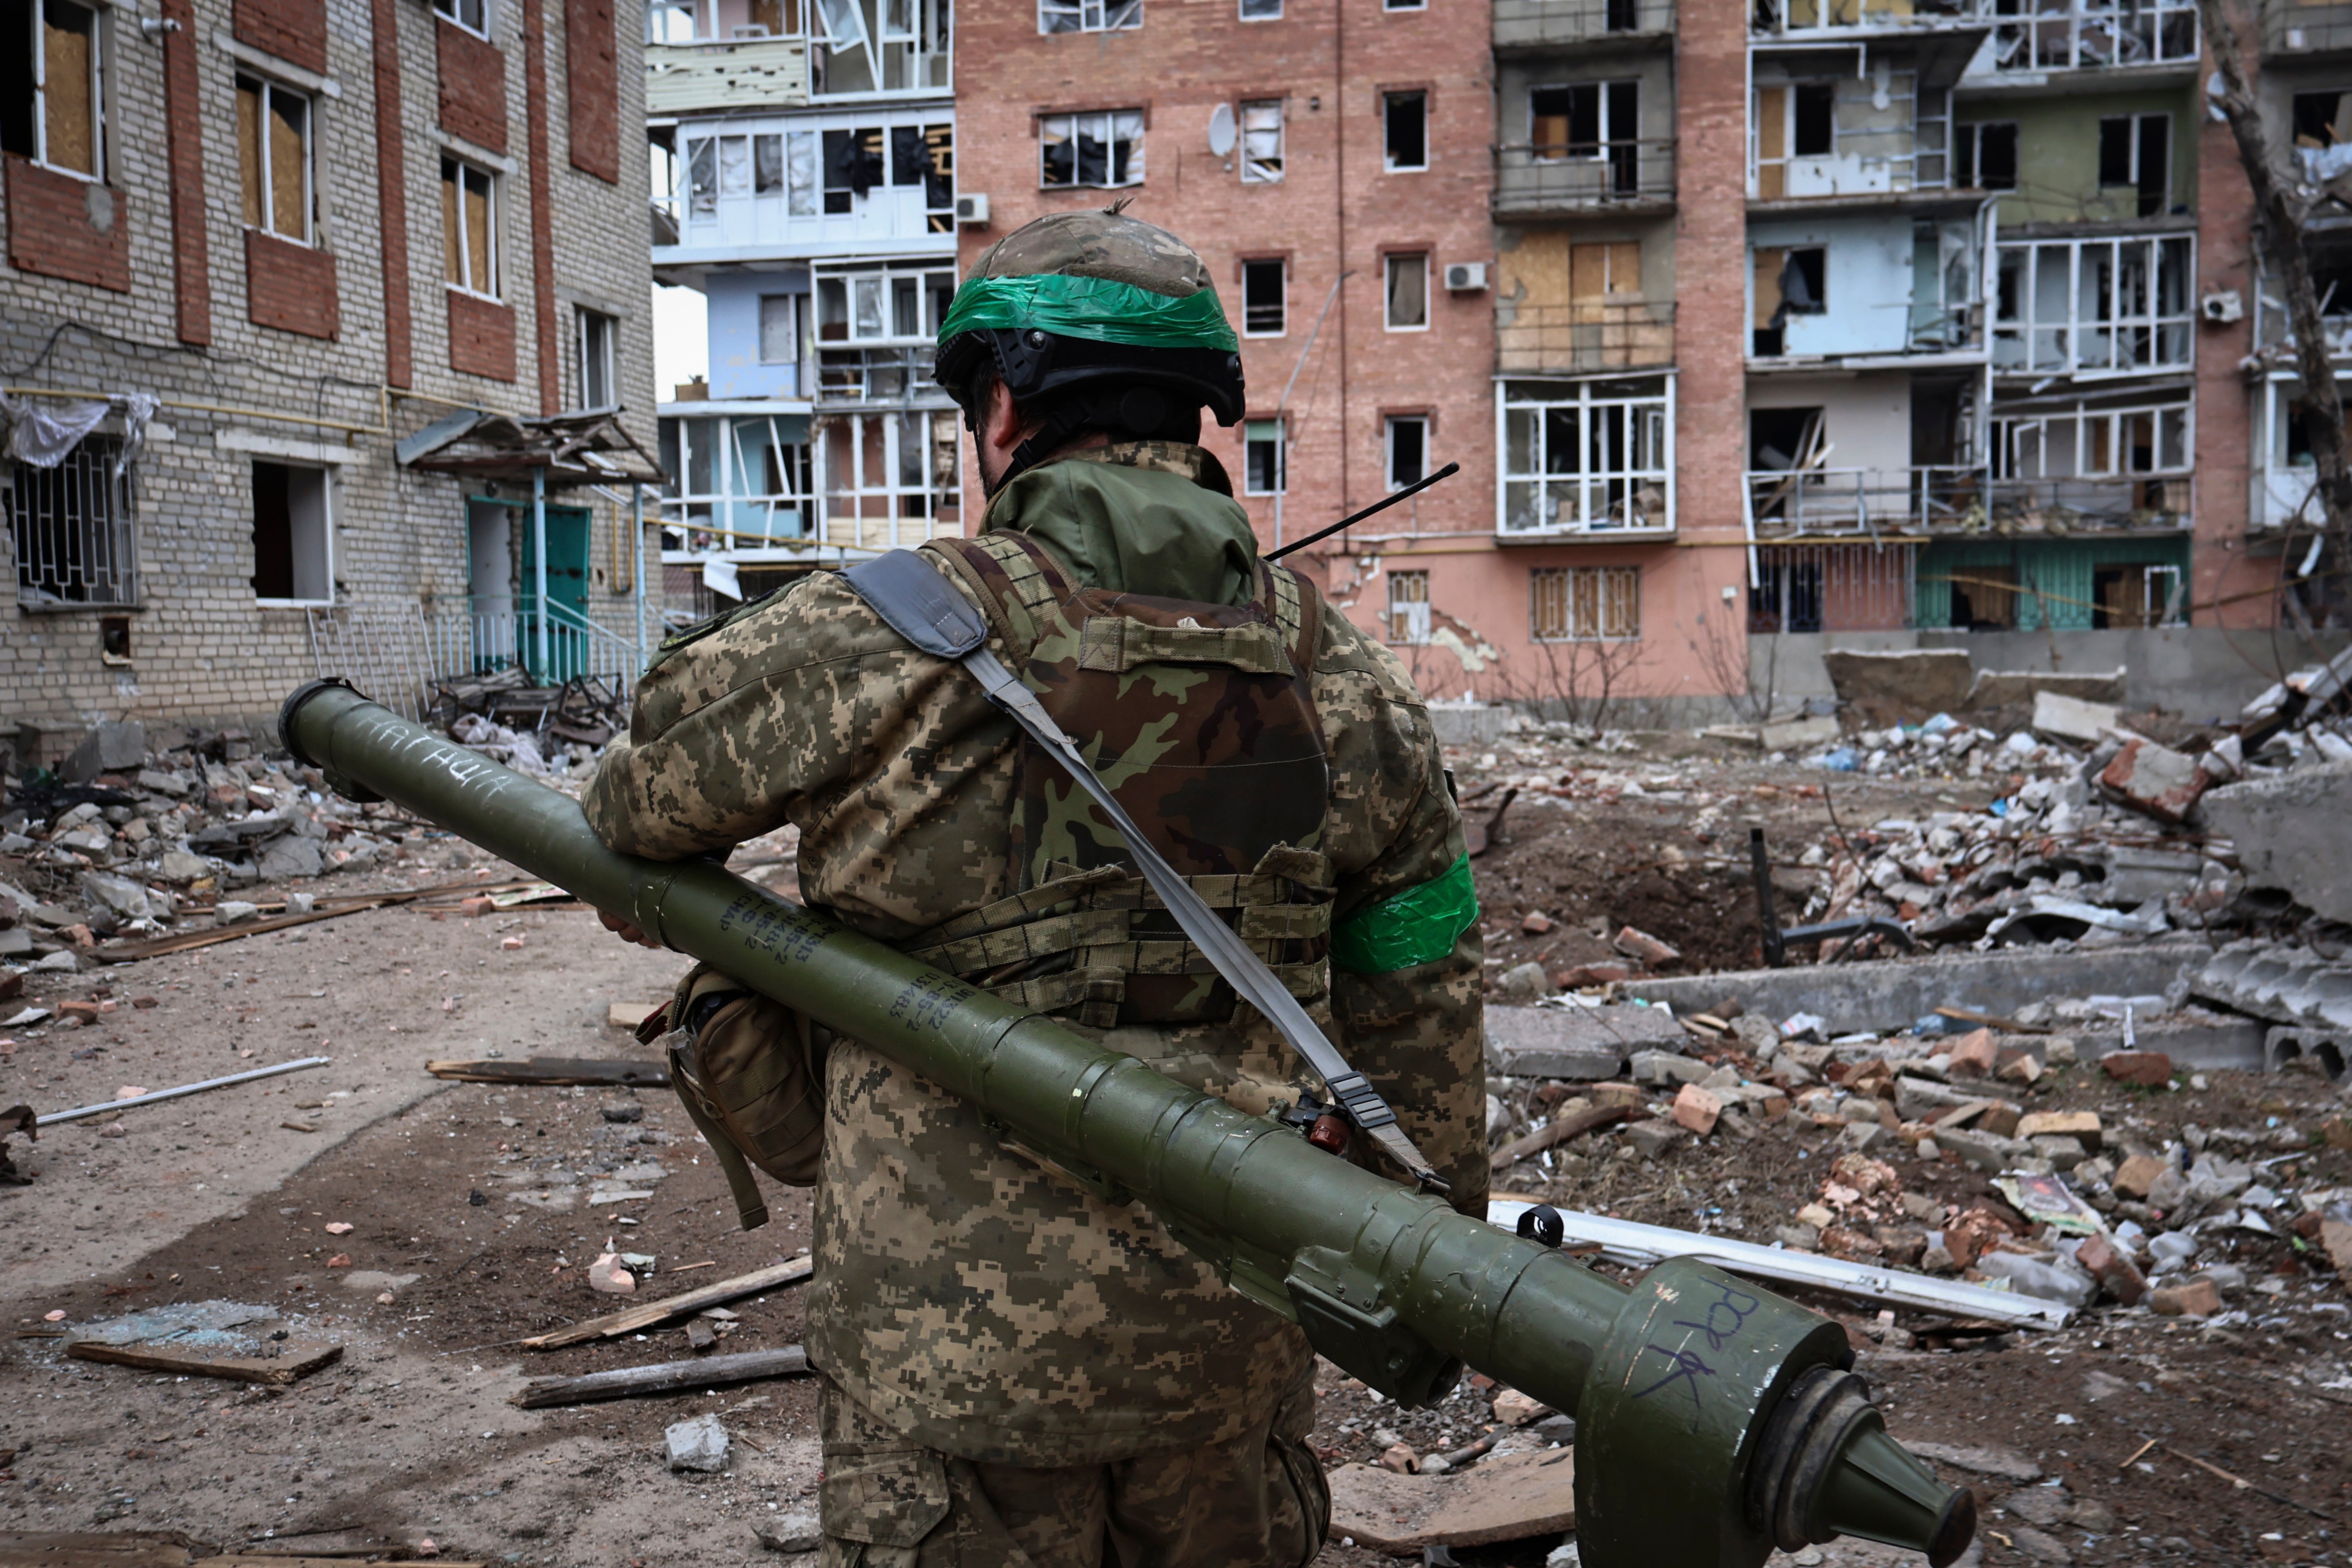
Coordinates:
(1417, 926)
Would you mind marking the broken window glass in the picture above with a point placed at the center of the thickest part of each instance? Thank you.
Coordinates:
(1261, 142)
(1088, 15)
(767, 165)
(1263, 298)
(1261, 10)
(1405, 117)
(799, 174)
(701, 177)
(734, 166)
(1104, 150)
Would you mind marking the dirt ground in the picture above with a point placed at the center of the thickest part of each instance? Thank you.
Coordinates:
(473, 1211)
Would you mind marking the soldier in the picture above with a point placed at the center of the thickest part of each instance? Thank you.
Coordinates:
(1017, 1371)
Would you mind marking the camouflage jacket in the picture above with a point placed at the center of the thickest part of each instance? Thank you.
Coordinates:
(982, 1305)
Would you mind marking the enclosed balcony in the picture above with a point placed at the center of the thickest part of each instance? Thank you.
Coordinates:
(832, 48)
(1824, 502)
(1591, 459)
(1524, 25)
(2031, 36)
(1584, 337)
(2088, 308)
(813, 184)
(1834, 18)
(1629, 175)
(2116, 460)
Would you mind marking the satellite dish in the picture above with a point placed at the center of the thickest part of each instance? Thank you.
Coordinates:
(1220, 130)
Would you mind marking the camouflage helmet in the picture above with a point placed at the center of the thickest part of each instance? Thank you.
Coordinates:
(1093, 321)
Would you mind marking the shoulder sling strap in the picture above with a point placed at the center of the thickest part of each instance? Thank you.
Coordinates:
(920, 605)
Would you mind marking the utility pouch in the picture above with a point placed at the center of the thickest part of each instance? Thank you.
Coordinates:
(750, 1072)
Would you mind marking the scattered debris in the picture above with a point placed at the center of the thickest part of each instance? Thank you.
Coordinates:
(204, 1338)
(696, 1444)
(555, 1070)
(652, 1314)
(664, 1377)
(16, 1119)
(1510, 1498)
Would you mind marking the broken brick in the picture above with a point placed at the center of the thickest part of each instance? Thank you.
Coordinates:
(2000, 1120)
(1592, 974)
(1535, 924)
(2081, 1124)
(1972, 1055)
(2155, 779)
(2198, 1297)
(1649, 950)
(83, 1012)
(2136, 1175)
(2112, 1267)
(2151, 1070)
(1697, 1109)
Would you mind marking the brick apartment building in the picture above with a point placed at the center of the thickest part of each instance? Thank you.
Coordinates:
(1755, 328)
(297, 278)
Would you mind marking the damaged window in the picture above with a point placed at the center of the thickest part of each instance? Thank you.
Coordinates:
(1984, 157)
(1407, 444)
(1404, 118)
(470, 228)
(1585, 603)
(53, 87)
(1261, 142)
(1263, 451)
(72, 525)
(1408, 617)
(474, 15)
(853, 166)
(2071, 305)
(1265, 292)
(2135, 152)
(1261, 10)
(779, 328)
(1088, 15)
(291, 540)
(1104, 150)
(600, 353)
(273, 156)
(1585, 456)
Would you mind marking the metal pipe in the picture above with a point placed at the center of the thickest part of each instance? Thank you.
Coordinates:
(162, 1095)
(538, 551)
(1683, 1385)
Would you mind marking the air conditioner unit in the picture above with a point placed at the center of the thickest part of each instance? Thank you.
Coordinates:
(972, 210)
(1465, 276)
(2222, 306)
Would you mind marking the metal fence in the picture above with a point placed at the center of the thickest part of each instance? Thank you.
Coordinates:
(395, 653)
(1534, 24)
(1786, 503)
(1553, 177)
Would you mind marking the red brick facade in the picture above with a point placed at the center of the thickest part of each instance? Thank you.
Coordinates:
(2229, 408)
(290, 287)
(184, 155)
(292, 30)
(61, 226)
(481, 336)
(1335, 208)
(543, 206)
(392, 195)
(473, 85)
(592, 88)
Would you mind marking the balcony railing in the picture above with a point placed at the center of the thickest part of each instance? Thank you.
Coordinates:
(1532, 180)
(1542, 24)
(896, 374)
(1593, 336)
(2074, 504)
(2299, 29)
(1804, 16)
(2085, 35)
(1793, 503)
(396, 652)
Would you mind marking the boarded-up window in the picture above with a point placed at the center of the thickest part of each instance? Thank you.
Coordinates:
(52, 94)
(468, 227)
(1602, 275)
(1586, 604)
(273, 156)
(1408, 617)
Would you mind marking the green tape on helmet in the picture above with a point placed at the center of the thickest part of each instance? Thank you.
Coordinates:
(1093, 307)
(1418, 926)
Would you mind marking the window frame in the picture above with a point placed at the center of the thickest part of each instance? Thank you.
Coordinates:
(492, 201)
(1279, 426)
(1389, 262)
(1971, 136)
(267, 88)
(1389, 425)
(453, 12)
(884, 277)
(97, 87)
(1243, 134)
(1407, 626)
(1108, 119)
(800, 317)
(326, 475)
(585, 331)
(1241, 8)
(1390, 98)
(2082, 325)
(1281, 303)
(115, 534)
(1644, 406)
(1627, 580)
(1093, 16)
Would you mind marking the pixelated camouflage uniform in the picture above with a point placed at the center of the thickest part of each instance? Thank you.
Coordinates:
(972, 1311)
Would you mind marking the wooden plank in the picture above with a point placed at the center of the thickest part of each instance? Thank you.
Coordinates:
(664, 1377)
(1509, 1498)
(556, 1070)
(1991, 1021)
(99, 1549)
(647, 1314)
(1561, 1131)
(296, 1362)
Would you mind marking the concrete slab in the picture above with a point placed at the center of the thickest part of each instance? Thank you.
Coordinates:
(1460, 725)
(1895, 993)
(2290, 834)
(1581, 1043)
(1931, 680)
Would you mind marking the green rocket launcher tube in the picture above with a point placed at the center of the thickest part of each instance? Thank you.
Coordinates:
(1715, 1420)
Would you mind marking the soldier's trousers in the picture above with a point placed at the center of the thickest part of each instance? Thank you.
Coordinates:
(1257, 1499)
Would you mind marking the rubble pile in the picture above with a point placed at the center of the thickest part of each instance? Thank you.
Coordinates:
(123, 839)
(545, 730)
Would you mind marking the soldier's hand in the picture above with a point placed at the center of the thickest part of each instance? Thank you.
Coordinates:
(626, 931)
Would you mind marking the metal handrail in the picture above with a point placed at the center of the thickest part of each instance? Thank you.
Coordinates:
(1591, 174)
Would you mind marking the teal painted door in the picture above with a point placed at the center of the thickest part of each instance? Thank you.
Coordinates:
(567, 593)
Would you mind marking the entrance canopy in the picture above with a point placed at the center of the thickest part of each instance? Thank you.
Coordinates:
(585, 446)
